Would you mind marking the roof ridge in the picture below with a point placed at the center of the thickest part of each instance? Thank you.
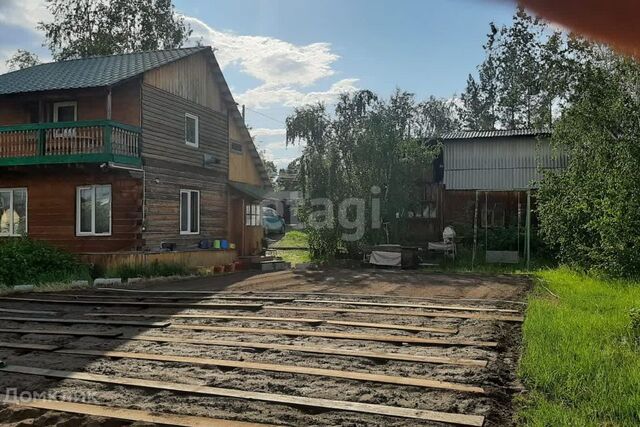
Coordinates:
(140, 52)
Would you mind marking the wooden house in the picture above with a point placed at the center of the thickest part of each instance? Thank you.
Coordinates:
(132, 153)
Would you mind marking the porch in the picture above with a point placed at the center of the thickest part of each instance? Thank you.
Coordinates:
(90, 141)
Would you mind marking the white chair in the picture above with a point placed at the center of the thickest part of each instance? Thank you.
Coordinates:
(448, 244)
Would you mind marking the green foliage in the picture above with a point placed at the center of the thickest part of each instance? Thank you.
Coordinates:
(83, 28)
(528, 69)
(368, 143)
(590, 212)
(578, 365)
(22, 59)
(288, 179)
(30, 262)
(152, 269)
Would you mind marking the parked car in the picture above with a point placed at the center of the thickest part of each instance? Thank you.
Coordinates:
(272, 222)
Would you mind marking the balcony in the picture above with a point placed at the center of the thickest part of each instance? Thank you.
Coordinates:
(96, 141)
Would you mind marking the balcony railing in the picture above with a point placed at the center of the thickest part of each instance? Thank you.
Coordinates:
(94, 141)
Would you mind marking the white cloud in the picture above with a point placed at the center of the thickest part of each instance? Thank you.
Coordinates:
(23, 13)
(288, 96)
(268, 59)
(260, 132)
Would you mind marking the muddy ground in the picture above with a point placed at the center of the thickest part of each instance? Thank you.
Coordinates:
(498, 378)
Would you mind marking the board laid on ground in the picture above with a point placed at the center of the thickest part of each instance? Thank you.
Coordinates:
(127, 414)
(335, 373)
(314, 322)
(316, 350)
(338, 335)
(393, 411)
(205, 306)
(450, 315)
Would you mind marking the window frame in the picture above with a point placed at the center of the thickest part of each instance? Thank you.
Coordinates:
(236, 147)
(189, 198)
(92, 233)
(57, 105)
(196, 119)
(252, 219)
(12, 225)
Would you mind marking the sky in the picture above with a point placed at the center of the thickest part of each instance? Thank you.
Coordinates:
(280, 54)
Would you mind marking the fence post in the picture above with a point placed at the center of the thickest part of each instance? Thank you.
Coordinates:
(107, 138)
(42, 135)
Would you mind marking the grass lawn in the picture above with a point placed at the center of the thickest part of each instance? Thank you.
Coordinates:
(580, 362)
(294, 239)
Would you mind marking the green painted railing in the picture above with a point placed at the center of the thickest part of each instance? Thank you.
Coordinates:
(69, 142)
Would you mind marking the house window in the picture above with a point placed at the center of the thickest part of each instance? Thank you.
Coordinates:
(65, 111)
(191, 129)
(13, 212)
(93, 210)
(189, 212)
(252, 215)
(236, 147)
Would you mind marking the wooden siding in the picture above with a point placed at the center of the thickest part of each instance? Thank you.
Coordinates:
(164, 180)
(126, 103)
(163, 116)
(92, 105)
(51, 215)
(242, 166)
(191, 78)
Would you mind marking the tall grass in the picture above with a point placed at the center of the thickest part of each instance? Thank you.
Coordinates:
(580, 362)
(152, 269)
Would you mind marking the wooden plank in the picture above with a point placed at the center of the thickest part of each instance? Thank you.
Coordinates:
(426, 415)
(402, 357)
(334, 373)
(337, 335)
(409, 328)
(90, 322)
(75, 332)
(175, 298)
(127, 414)
(43, 312)
(345, 294)
(430, 307)
(28, 346)
(139, 304)
(450, 315)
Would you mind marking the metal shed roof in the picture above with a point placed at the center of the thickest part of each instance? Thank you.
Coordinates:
(96, 71)
(499, 133)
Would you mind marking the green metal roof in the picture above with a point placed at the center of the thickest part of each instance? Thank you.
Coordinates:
(96, 71)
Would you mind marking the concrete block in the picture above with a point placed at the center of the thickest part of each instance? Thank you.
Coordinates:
(23, 288)
(103, 282)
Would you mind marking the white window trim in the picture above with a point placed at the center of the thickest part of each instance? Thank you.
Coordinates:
(257, 217)
(12, 226)
(93, 211)
(189, 192)
(197, 132)
(73, 104)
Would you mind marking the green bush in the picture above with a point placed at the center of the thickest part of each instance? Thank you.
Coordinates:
(152, 269)
(590, 211)
(24, 261)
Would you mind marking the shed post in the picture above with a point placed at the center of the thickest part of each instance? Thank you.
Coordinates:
(475, 232)
(528, 232)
